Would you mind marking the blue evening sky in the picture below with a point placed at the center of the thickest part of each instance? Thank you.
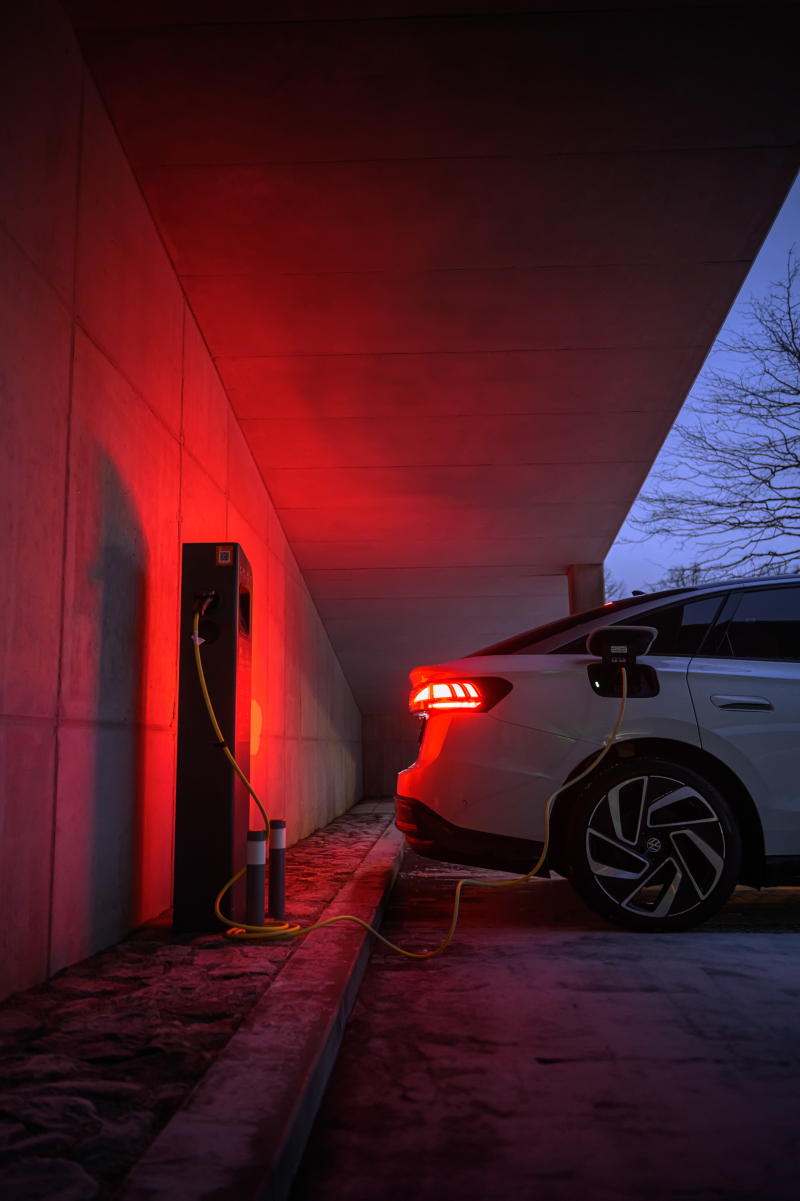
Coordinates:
(642, 565)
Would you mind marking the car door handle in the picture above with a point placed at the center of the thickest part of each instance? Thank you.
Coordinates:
(746, 703)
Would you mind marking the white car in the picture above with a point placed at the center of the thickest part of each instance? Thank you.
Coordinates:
(699, 791)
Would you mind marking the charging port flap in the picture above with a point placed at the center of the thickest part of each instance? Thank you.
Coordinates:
(620, 646)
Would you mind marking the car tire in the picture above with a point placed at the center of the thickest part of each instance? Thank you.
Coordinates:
(652, 845)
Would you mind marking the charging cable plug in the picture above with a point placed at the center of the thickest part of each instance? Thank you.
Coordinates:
(202, 602)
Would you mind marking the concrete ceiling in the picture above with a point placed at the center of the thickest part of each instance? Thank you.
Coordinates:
(458, 272)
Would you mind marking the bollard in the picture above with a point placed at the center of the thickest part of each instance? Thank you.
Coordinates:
(256, 870)
(277, 868)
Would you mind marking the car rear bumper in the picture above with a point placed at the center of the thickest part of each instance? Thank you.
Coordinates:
(431, 835)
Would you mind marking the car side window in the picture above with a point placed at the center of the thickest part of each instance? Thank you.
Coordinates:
(764, 625)
(681, 628)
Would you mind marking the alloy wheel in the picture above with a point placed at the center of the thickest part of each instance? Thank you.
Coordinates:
(654, 848)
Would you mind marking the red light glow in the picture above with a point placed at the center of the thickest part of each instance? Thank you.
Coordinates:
(455, 694)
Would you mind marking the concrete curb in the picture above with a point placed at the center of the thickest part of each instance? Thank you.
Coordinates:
(243, 1131)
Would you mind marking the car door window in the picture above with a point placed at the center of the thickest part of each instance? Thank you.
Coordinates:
(765, 624)
(681, 628)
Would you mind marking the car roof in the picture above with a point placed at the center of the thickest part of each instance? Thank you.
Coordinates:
(510, 646)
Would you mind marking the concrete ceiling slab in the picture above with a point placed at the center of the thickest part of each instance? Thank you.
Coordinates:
(491, 84)
(122, 14)
(460, 385)
(447, 485)
(458, 268)
(408, 522)
(432, 583)
(399, 215)
(485, 439)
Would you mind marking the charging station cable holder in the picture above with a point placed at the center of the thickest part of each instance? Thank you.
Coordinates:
(618, 647)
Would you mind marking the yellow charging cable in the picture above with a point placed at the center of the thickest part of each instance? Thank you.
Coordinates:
(272, 931)
(196, 639)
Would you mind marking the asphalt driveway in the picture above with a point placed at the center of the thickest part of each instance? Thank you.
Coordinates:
(548, 1055)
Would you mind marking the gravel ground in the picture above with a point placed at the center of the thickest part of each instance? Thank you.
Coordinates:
(95, 1061)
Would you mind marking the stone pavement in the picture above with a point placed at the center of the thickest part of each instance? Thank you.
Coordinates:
(549, 1055)
(95, 1061)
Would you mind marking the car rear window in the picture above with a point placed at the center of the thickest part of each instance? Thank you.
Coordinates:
(681, 628)
(530, 642)
(764, 625)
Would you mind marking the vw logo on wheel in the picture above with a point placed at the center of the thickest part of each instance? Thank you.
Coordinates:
(653, 845)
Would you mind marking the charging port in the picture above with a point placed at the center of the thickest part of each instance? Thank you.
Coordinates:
(619, 647)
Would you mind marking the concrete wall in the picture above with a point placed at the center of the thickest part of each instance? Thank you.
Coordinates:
(391, 743)
(118, 444)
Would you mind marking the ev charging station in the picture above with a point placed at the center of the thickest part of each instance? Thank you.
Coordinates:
(212, 805)
(212, 835)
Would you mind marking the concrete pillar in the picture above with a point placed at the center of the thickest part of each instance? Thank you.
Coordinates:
(586, 586)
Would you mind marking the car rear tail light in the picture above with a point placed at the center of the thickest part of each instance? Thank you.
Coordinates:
(452, 695)
(448, 695)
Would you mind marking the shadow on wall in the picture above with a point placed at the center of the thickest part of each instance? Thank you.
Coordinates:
(390, 744)
(120, 570)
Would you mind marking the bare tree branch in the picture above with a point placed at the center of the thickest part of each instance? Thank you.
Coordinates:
(614, 588)
(728, 484)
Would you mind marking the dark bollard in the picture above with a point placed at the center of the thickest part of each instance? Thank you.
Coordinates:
(277, 868)
(256, 871)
